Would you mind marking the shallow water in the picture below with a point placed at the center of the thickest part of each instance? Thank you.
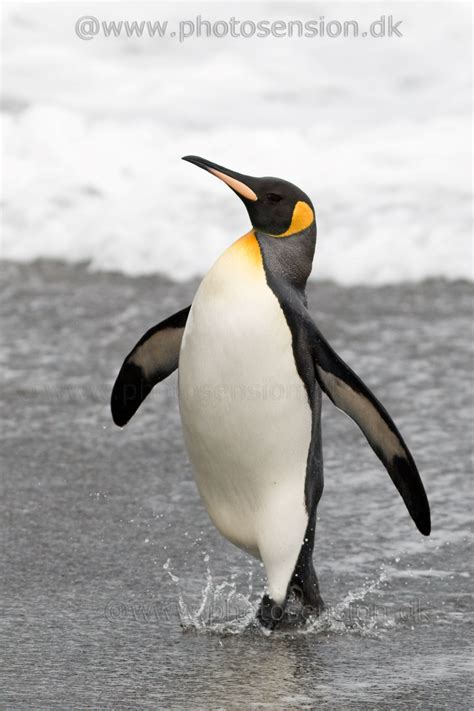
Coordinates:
(118, 592)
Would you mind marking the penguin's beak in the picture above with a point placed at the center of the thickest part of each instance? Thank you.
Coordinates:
(240, 184)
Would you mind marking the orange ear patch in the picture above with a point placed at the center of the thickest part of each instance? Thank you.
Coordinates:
(302, 217)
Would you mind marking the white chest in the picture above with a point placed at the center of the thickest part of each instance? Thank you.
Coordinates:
(246, 418)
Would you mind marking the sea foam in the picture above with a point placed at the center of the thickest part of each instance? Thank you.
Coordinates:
(376, 133)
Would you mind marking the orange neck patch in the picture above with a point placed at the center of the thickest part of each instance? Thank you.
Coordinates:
(302, 217)
(248, 248)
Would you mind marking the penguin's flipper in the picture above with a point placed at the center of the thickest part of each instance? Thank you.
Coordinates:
(154, 357)
(352, 396)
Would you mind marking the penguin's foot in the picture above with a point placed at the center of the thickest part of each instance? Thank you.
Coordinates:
(269, 613)
(303, 603)
(296, 610)
(304, 587)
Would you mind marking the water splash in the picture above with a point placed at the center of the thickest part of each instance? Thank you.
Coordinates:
(222, 609)
(345, 617)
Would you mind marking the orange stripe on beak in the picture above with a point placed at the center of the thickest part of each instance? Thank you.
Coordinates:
(236, 185)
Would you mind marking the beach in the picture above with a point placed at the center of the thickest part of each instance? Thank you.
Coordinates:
(117, 590)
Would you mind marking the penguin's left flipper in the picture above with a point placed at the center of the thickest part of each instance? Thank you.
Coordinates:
(152, 359)
(352, 396)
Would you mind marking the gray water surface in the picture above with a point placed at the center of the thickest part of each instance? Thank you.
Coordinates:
(117, 590)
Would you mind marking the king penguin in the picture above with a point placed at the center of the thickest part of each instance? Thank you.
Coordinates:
(252, 369)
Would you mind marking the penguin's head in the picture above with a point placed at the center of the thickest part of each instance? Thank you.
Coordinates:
(275, 206)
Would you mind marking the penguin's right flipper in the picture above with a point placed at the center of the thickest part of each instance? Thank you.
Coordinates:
(154, 357)
(352, 396)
